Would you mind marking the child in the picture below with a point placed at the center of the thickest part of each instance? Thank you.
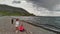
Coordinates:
(21, 28)
(17, 24)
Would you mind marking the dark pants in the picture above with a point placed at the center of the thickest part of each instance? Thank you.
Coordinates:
(22, 30)
(12, 21)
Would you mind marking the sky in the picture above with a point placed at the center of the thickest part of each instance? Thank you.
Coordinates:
(47, 7)
(37, 7)
(49, 4)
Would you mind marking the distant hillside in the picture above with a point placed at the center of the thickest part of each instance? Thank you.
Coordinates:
(6, 10)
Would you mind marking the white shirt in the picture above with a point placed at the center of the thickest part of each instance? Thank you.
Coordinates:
(17, 23)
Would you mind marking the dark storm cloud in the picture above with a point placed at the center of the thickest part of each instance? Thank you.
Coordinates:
(48, 4)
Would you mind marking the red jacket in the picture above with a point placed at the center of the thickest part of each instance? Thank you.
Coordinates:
(21, 28)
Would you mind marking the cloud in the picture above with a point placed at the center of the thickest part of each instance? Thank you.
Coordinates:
(48, 4)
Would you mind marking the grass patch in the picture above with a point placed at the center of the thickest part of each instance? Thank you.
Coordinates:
(8, 13)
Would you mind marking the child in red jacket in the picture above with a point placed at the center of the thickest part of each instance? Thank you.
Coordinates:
(21, 28)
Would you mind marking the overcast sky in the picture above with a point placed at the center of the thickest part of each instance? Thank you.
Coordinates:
(37, 7)
(48, 4)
